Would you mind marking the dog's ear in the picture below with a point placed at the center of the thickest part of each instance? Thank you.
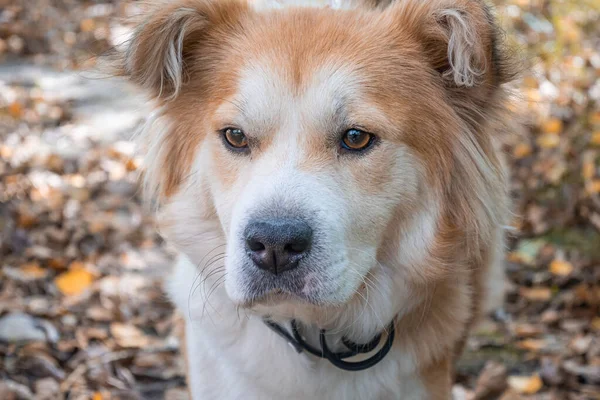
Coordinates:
(459, 38)
(168, 34)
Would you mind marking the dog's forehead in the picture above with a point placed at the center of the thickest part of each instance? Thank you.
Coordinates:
(268, 99)
(278, 4)
(266, 92)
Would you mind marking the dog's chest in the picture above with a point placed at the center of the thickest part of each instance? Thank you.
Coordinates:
(253, 363)
(232, 356)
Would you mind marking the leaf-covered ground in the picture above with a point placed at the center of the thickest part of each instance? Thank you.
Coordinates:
(82, 314)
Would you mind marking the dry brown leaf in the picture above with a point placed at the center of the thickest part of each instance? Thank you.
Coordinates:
(527, 330)
(595, 140)
(536, 293)
(33, 270)
(595, 323)
(491, 381)
(525, 384)
(532, 344)
(87, 25)
(74, 281)
(128, 335)
(561, 268)
(57, 263)
(510, 394)
(595, 118)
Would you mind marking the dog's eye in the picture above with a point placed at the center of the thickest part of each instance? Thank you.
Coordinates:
(235, 138)
(357, 140)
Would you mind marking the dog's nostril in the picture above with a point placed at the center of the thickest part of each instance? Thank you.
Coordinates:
(297, 247)
(255, 245)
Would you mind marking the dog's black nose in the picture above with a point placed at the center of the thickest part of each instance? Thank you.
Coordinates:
(276, 245)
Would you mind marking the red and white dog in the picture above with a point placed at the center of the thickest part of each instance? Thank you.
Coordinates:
(331, 167)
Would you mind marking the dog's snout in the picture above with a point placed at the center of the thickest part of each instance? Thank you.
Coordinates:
(278, 244)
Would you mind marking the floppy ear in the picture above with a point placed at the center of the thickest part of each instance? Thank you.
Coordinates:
(460, 39)
(169, 34)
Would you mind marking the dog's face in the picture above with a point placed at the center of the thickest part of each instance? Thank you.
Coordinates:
(320, 144)
(309, 171)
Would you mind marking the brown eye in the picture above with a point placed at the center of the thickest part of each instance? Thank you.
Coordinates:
(356, 140)
(235, 138)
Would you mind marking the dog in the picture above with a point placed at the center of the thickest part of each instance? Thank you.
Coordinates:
(330, 175)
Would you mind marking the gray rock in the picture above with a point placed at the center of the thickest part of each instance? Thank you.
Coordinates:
(21, 327)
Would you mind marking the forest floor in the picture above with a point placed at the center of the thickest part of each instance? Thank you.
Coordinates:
(82, 312)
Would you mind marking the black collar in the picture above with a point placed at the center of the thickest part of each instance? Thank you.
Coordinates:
(337, 358)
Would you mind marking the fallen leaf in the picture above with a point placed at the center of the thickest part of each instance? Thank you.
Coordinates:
(74, 281)
(525, 384)
(87, 25)
(595, 140)
(536, 293)
(548, 141)
(491, 381)
(15, 110)
(128, 335)
(561, 268)
(531, 344)
(593, 187)
(33, 270)
(596, 323)
(27, 220)
(522, 150)
(552, 126)
(57, 263)
(527, 330)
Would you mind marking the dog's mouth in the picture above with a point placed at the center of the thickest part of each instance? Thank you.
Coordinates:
(290, 287)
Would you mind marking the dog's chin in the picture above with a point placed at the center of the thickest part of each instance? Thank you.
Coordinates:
(277, 297)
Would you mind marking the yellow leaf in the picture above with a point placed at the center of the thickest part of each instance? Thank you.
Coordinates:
(33, 270)
(593, 186)
(525, 384)
(561, 268)
(588, 169)
(548, 141)
(595, 140)
(74, 282)
(536, 293)
(15, 110)
(97, 396)
(553, 125)
(522, 150)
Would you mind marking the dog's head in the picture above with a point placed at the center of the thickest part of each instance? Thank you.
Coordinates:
(340, 153)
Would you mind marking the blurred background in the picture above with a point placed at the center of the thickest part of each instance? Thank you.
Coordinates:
(82, 314)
